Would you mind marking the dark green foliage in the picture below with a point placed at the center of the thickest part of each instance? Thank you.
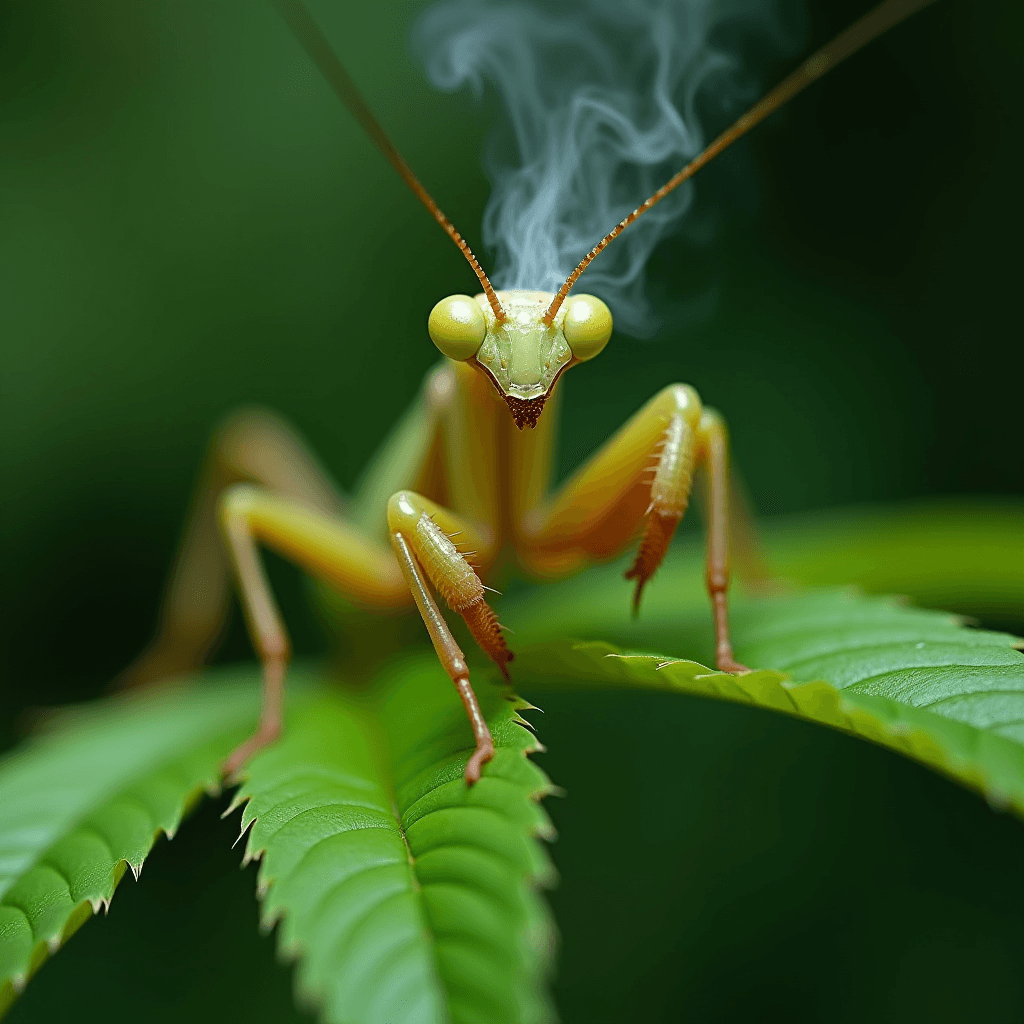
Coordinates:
(406, 896)
(89, 798)
(191, 223)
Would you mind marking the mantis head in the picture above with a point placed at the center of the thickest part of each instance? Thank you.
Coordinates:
(523, 340)
(524, 351)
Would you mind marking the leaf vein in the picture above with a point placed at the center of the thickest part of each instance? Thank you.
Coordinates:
(315, 810)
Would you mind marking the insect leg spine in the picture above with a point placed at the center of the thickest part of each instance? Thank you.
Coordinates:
(670, 495)
(673, 476)
(450, 570)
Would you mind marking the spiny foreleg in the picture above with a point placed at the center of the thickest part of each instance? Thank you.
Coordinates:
(601, 508)
(670, 495)
(422, 538)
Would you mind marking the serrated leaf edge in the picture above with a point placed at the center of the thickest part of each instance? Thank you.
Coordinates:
(88, 908)
(820, 702)
(291, 953)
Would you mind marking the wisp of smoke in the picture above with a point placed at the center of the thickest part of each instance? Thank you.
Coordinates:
(602, 99)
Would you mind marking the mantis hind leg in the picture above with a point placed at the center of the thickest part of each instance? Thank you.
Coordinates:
(328, 547)
(256, 446)
(252, 445)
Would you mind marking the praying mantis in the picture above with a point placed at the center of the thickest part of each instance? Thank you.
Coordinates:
(463, 484)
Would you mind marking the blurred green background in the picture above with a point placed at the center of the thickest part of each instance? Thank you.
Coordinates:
(189, 221)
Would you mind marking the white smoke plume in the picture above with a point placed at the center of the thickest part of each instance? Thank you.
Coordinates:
(602, 98)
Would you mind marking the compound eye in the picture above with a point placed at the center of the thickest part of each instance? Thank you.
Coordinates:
(457, 326)
(587, 326)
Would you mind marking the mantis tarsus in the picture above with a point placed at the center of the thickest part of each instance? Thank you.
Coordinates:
(462, 477)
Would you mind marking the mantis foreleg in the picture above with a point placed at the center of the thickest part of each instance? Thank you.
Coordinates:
(598, 511)
(365, 571)
(642, 477)
(422, 536)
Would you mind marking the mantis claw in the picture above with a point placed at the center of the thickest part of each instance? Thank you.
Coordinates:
(269, 727)
(474, 767)
(730, 665)
(244, 752)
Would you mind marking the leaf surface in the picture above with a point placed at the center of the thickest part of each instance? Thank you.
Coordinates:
(89, 797)
(917, 681)
(405, 896)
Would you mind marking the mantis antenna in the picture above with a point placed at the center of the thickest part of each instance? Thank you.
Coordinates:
(308, 33)
(873, 24)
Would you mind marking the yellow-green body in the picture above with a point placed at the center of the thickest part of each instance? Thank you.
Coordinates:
(460, 488)
(464, 481)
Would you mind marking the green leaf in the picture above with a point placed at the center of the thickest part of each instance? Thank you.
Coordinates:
(916, 681)
(402, 892)
(89, 797)
(404, 895)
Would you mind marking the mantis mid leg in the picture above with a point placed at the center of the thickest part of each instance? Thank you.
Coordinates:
(256, 446)
(598, 511)
(713, 452)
